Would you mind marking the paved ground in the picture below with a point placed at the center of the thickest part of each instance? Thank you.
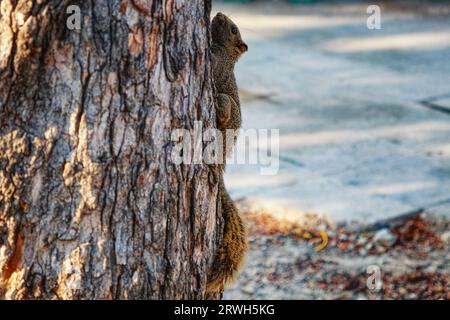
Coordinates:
(363, 114)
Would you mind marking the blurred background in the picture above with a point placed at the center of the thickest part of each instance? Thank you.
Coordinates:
(364, 148)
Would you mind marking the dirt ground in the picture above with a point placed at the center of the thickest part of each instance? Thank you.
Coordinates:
(287, 261)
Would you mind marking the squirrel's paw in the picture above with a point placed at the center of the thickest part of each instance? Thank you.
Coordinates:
(224, 110)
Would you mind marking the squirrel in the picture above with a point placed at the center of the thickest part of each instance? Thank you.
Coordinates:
(226, 48)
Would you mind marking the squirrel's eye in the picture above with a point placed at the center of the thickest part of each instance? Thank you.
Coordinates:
(234, 30)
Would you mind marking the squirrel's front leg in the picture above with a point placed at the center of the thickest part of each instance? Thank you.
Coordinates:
(223, 110)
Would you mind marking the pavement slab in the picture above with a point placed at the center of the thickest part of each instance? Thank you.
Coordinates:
(357, 140)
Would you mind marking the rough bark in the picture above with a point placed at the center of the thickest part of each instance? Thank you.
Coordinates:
(91, 205)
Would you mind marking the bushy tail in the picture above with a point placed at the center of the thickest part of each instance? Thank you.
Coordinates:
(233, 249)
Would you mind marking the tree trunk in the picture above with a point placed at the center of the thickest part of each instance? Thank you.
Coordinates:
(91, 204)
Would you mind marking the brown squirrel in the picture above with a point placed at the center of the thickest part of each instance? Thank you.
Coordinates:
(226, 48)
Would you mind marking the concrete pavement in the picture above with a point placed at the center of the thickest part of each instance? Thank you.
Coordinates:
(359, 138)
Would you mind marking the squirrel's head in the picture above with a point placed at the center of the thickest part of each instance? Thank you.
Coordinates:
(225, 33)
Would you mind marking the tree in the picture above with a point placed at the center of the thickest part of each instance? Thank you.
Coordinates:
(91, 205)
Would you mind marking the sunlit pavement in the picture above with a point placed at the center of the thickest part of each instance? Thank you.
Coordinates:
(364, 131)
